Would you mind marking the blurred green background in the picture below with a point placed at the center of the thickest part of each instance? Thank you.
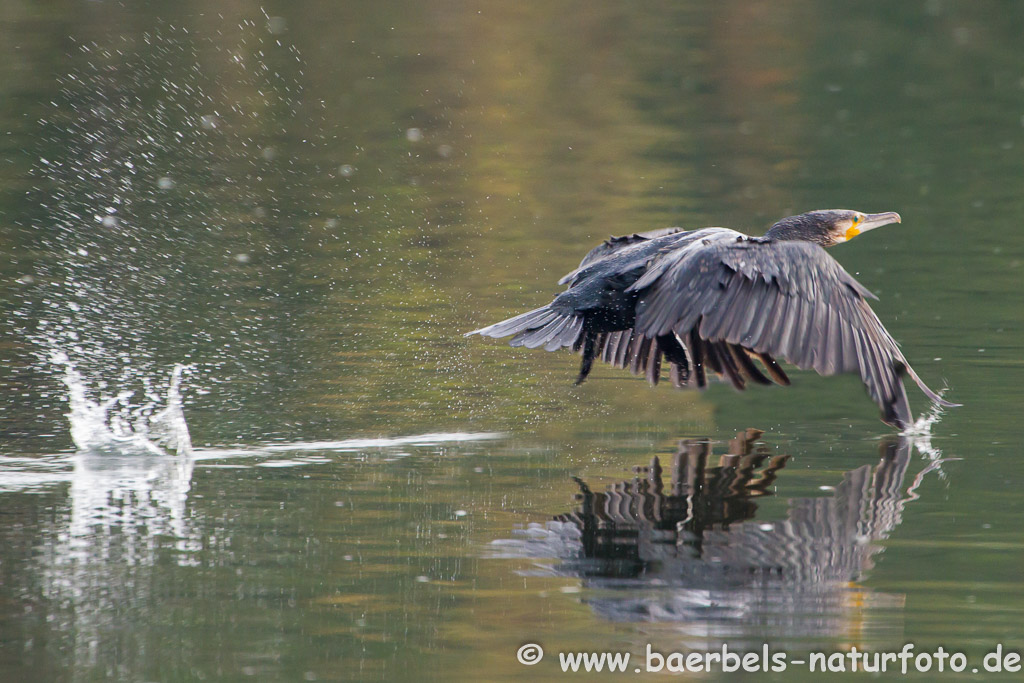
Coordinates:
(310, 203)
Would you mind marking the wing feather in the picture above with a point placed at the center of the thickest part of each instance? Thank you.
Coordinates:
(616, 244)
(626, 340)
(790, 300)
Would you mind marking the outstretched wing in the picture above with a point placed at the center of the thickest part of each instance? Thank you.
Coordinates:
(786, 299)
(561, 323)
(614, 244)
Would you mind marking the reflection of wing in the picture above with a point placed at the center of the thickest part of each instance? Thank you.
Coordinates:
(703, 515)
(823, 539)
(690, 542)
(614, 244)
(785, 299)
(699, 495)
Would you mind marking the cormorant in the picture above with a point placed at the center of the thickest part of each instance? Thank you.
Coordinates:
(716, 299)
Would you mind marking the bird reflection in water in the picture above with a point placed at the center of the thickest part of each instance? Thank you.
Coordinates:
(681, 543)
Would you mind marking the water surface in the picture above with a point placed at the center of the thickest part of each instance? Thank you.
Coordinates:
(305, 207)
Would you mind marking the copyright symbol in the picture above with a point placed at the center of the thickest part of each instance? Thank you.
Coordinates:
(530, 654)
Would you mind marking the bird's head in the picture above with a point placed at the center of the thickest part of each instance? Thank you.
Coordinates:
(830, 227)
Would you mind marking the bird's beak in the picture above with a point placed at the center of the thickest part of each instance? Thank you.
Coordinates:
(872, 221)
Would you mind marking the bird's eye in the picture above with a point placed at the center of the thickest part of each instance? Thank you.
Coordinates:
(856, 220)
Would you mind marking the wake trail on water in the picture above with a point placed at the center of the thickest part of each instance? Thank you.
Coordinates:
(115, 425)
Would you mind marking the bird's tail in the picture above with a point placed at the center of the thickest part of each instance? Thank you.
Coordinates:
(536, 328)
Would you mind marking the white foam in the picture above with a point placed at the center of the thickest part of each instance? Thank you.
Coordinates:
(922, 426)
(343, 446)
(39, 473)
(112, 424)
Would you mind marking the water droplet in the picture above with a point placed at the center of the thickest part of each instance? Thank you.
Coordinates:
(277, 25)
(461, 513)
(413, 135)
(208, 121)
(242, 258)
(346, 170)
(445, 151)
(165, 183)
(269, 153)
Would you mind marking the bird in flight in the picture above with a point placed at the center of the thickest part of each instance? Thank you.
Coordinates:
(716, 299)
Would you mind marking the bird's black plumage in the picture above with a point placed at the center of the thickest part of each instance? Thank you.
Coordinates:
(715, 299)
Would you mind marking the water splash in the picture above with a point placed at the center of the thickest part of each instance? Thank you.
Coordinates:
(920, 434)
(922, 427)
(131, 208)
(114, 425)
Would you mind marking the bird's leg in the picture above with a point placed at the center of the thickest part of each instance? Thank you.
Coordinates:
(589, 351)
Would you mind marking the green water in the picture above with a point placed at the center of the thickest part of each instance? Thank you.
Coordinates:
(310, 206)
